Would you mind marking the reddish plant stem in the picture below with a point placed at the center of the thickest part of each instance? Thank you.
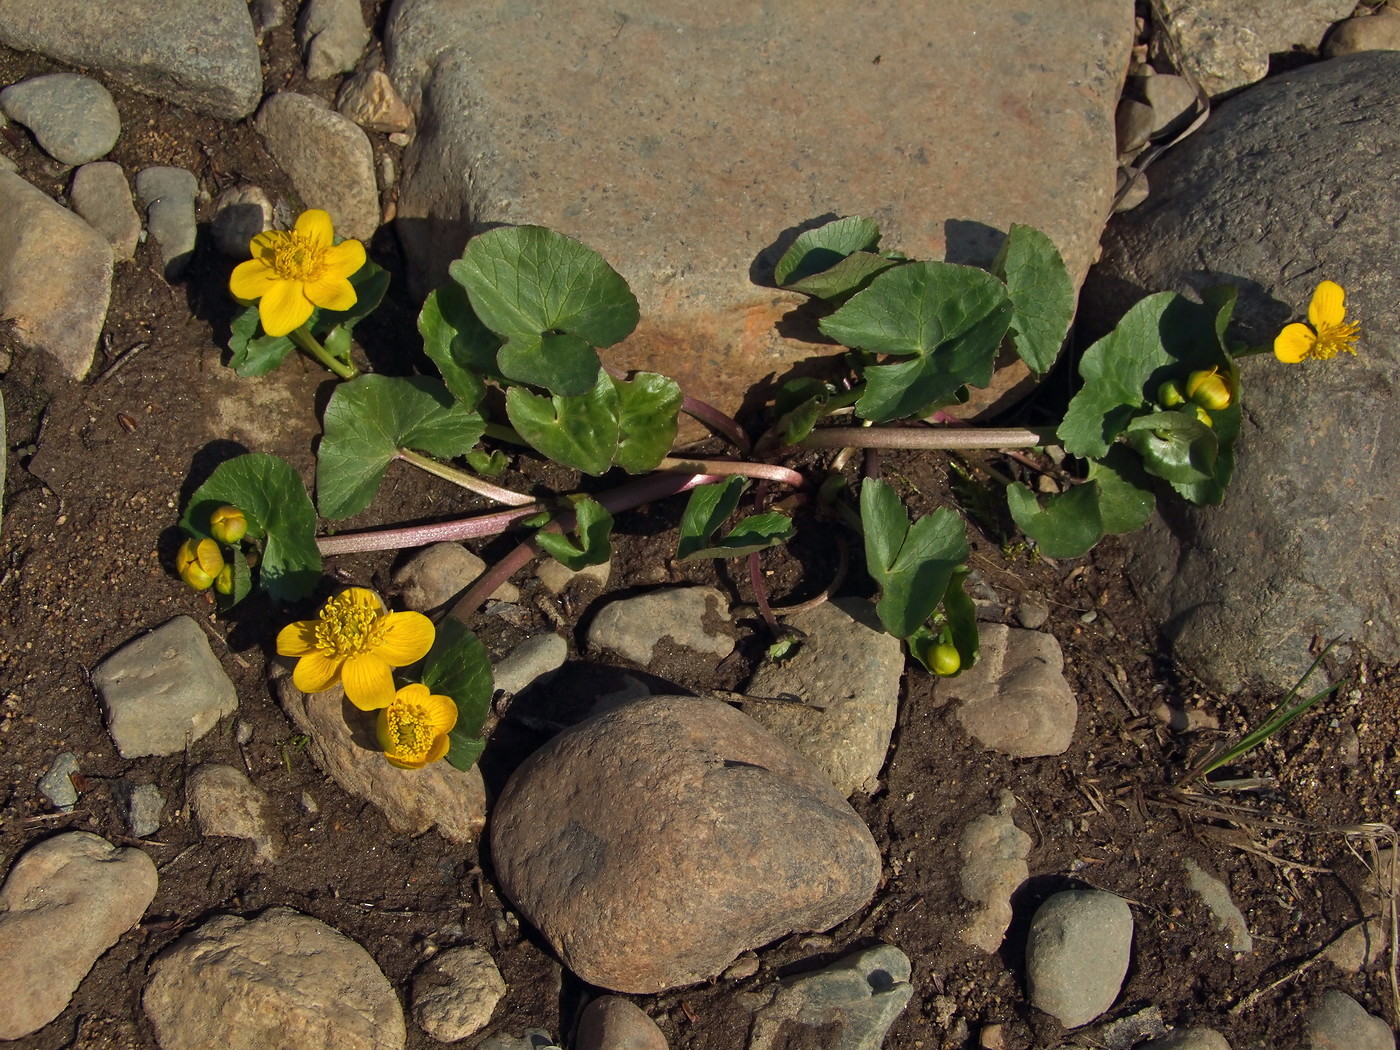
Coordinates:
(760, 590)
(728, 467)
(926, 437)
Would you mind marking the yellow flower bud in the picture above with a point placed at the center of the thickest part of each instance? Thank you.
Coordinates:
(1209, 389)
(228, 524)
(223, 583)
(1202, 415)
(1169, 394)
(945, 659)
(198, 562)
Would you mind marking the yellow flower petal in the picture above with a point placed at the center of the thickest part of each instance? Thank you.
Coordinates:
(317, 671)
(263, 246)
(251, 280)
(315, 225)
(364, 597)
(441, 745)
(1328, 306)
(343, 259)
(440, 711)
(297, 639)
(337, 294)
(283, 307)
(1294, 343)
(368, 681)
(404, 638)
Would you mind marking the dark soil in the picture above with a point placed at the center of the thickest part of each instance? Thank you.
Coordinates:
(98, 471)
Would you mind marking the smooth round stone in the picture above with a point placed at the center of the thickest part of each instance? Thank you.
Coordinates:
(1077, 954)
(73, 117)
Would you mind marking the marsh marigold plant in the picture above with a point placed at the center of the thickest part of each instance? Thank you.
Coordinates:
(413, 729)
(294, 271)
(355, 641)
(1330, 331)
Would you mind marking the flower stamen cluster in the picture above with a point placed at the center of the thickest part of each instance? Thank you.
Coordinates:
(1331, 333)
(413, 729)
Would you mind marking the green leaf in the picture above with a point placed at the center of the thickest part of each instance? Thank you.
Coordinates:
(845, 278)
(707, 509)
(279, 513)
(961, 615)
(1066, 527)
(255, 356)
(487, 465)
(1042, 295)
(370, 282)
(1175, 446)
(533, 285)
(912, 564)
(1165, 336)
(463, 348)
(593, 528)
(951, 319)
(366, 423)
(242, 581)
(457, 666)
(580, 432)
(648, 414)
(818, 250)
(1125, 491)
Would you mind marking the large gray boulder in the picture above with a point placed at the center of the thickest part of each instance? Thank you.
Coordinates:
(681, 139)
(1283, 187)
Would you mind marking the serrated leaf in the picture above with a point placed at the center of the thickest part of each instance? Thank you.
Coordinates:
(366, 423)
(649, 408)
(279, 513)
(815, 251)
(845, 278)
(458, 666)
(455, 340)
(912, 564)
(1174, 446)
(1067, 526)
(580, 432)
(531, 284)
(1125, 491)
(1042, 295)
(593, 527)
(255, 356)
(1165, 336)
(950, 319)
(707, 509)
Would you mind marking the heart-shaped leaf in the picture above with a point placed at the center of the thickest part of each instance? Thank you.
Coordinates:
(912, 564)
(1066, 526)
(459, 667)
(580, 432)
(648, 414)
(457, 342)
(815, 251)
(1042, 295)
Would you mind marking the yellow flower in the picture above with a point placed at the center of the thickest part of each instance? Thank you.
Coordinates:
(199, 563)
(1330, 331)
(294, 271)
(1209, 389)
(413, 729)
(356, 642)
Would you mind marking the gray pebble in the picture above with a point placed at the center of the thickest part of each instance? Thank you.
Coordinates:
(1032, 613)
(1339, 1022)
(456, 993)
(850, 1005)
(101, 194)
(267, 15)
(1188, 1039)
(141, 805)
(1077, 954)
(168, 195)
(57, 784)
(1228, 917)
(73, 117)
(333, 34)
(530, 661)
(633, 627)
(533, 1039)
(240, 214)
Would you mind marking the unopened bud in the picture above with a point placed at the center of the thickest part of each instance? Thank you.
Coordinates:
(1169, 394)
(199, 562)
(228, 524)
(1209, 389)
(223, 583)
(1202, 415)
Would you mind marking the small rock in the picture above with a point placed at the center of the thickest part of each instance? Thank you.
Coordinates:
(437, 574)
(141, 805)
(1188, 1039)
(1226, 913)
(455, 993)
(168, 196)
(556, 577)
(267, 16)
(283, 979)
(1339, 1022)
(333, 35)
(343, 744)
(371, 101)
(65, 902)
(1077, 954)
(1125, 1033)
(57, 784)
(1171, 97)
(1184, 719)
(614, 1023)
(102, 196)
(1137, 191)
(530, 661)
(1132, 122)
(240, 214)
(850, 1005)
(1015, 698)
(993, 851)
(742, 968)
(73, 117)
(163, 690)
(1032, 613)
(228, 804)
(724, 840)
(849, 669)
(55, 276)
(1377, 32)
(327, 157)
(695, 618)
(533, 1039)
(1358, 946)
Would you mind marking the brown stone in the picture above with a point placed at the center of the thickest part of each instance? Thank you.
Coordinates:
(370, 100)
(614, 1023)
(653, 843)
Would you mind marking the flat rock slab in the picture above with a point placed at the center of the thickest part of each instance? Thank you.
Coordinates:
(55, 275)
(1304, 544)
(197, 53)
(653, 843)
(1339, 1022)
(226, 803)
(163, 690)
(682, 140)
(65, 902)
(283, 979)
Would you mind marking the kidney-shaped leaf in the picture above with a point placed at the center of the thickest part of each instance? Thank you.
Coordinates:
(580, 432)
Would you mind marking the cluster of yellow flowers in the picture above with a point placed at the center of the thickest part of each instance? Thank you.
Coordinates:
(201, 563)
(357, 642)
